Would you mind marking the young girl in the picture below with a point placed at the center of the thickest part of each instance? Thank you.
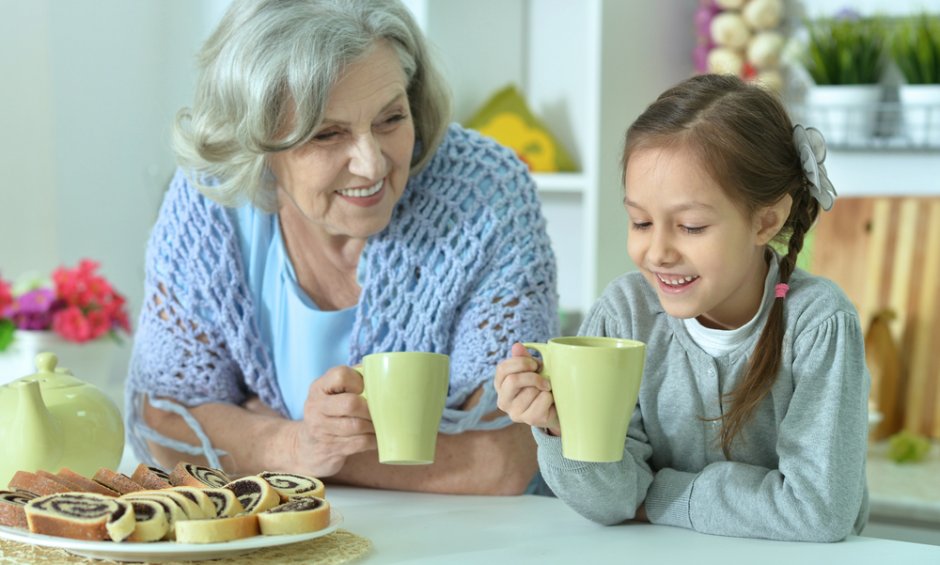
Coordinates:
(752, 414)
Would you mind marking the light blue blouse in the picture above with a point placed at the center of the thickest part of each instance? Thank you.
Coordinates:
(303, 340)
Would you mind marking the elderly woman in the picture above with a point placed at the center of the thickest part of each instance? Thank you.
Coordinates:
(325, 209)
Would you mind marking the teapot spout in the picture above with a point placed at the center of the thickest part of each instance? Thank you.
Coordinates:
(34, 430)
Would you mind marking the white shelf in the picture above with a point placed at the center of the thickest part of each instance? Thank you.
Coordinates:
(884, 173)
(561, 183)
(576, 63)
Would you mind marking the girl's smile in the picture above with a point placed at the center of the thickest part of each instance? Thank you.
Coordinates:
(675, 283)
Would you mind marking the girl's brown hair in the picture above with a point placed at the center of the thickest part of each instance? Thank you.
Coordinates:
(743, 137)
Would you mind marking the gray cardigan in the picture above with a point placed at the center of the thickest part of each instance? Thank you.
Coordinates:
(797, 470)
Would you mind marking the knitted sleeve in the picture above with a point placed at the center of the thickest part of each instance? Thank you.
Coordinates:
(606, 493)
(514, 297)
(478, 272)
(197, 339)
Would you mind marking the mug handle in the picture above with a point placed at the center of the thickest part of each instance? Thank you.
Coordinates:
(542, 348)
(359, 369)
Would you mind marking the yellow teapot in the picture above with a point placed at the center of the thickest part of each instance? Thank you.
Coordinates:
(51, 419)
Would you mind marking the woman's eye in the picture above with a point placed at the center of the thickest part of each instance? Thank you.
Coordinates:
(392, 121)
(326, 135)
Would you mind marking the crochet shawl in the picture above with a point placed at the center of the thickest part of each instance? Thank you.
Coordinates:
(465, 268)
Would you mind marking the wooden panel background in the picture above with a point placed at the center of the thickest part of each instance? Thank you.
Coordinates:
(885, 254)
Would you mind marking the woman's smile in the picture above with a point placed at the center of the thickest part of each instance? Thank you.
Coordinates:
(365, 197)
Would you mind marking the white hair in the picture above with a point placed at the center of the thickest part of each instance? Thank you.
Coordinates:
(265, 78)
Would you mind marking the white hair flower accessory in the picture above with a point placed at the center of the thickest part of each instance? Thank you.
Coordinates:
(811, 146)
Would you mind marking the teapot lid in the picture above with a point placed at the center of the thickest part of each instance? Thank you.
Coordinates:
(50, 376)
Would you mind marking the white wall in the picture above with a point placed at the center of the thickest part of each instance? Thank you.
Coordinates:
(89, 91)
(823, 8)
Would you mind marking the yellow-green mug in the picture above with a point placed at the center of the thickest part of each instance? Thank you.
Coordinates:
(595, 382)
(406, 392)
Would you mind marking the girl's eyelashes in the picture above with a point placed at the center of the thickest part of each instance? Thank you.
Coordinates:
(691, 230)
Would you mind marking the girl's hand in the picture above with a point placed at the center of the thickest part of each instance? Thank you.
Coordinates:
(523, 394)
(336, 423)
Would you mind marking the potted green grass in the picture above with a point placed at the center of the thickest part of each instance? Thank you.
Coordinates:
(845, 57)
(914, 47)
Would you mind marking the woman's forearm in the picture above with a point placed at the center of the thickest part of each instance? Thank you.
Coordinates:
(498, 462)
(253, 440)
(256, 439)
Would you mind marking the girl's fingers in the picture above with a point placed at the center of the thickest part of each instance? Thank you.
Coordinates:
(541, 411)
(514, 365)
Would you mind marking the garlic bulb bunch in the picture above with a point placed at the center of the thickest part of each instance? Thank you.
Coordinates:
(741, 37)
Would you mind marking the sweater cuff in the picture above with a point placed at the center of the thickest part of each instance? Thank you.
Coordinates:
(669, 498)
(550, 452)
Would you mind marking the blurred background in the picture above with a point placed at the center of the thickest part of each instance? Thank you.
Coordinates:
(90, 89)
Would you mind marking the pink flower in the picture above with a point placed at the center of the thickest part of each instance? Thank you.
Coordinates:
(33, 310)
(6, 297)
(71, 324)
(82, 306)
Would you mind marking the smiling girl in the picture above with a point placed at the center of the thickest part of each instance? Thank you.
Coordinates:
(752, 414)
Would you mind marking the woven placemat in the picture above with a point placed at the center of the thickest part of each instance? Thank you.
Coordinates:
(339, 547)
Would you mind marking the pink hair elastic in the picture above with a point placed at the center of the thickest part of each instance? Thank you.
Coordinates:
(781, 289)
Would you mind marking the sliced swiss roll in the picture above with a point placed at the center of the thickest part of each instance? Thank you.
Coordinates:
(151, 521)
(116, 481)
(190, 475)
(297, 516)
(255, 494)
(171, 506)
(190, 508)
(85, 484)
(202, 500)
(150, 477)
(214, 530)
(81, 515)
(13, 508)
(289, 485)
(35, 484)
(225, 502)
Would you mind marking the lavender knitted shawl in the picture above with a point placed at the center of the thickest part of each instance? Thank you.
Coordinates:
(464, 268)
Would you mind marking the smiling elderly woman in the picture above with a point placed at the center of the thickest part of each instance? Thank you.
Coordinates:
(323, 210)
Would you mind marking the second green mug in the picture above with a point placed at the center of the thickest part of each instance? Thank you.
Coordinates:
(595, 382)
(406, 393)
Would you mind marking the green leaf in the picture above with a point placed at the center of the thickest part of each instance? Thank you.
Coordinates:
(908, 447)
(845, 51)
(6, 333)
(915, 48)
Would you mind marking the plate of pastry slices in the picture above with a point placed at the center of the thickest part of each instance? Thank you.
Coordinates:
(156, 552)
(195, 513)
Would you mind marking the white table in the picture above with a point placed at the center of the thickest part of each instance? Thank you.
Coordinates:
(426, 528)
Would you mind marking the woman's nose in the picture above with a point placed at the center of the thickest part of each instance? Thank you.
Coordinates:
(366, 160)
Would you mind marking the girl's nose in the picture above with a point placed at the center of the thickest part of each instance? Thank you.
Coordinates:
(661, 251)
(366, 160)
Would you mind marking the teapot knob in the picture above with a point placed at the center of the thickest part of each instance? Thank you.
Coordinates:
(46, 362)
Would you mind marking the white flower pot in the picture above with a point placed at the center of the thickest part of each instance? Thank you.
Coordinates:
(91, 361)
(920, 108)
(845, 114)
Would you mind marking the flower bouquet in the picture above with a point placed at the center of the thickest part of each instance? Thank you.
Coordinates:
(73, 315)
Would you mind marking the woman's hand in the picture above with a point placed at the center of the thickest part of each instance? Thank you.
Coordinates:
(336, 423)
(523, 394)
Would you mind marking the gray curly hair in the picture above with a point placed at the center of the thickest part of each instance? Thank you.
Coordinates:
(265, 76)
